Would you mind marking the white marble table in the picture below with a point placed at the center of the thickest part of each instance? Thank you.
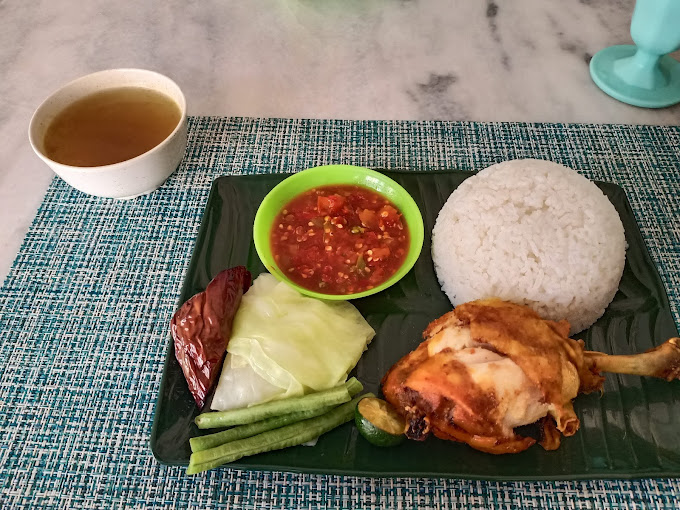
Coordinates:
(525, 60)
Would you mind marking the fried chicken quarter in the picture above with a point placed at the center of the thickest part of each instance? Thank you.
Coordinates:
(491, 366)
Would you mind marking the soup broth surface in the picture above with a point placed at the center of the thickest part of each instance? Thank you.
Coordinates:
(111, 126)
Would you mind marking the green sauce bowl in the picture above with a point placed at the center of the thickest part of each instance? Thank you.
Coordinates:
(329, 175)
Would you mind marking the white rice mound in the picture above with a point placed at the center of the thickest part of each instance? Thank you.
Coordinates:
(532, 232)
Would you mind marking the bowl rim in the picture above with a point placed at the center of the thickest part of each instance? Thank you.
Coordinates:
(262, 226)
(88, 170)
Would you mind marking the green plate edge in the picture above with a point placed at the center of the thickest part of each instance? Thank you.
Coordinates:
(628, 432)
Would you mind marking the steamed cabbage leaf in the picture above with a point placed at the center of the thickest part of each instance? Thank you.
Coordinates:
(284, 344)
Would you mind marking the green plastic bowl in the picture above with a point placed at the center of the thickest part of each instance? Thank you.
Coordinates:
(302, 181)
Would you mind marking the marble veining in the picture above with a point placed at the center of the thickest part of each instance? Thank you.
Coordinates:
(434, 97)
(491, 14)
(525, 60)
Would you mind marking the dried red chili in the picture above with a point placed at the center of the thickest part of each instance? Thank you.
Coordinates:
(201, 328)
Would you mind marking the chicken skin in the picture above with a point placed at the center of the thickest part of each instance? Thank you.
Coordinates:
(491, 366)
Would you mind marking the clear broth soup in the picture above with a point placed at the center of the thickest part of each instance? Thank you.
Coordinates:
(111, 126)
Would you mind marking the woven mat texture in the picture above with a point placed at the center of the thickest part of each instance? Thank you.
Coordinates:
(84, 315)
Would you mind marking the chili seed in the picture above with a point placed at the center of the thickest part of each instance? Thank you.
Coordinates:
(329, 248)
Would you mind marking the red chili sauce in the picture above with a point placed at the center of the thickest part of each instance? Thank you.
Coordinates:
(339, 239)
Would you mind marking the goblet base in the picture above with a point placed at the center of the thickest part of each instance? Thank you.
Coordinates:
(605, 76)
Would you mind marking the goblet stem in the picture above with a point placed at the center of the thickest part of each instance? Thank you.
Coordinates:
(645, 74)
(641, 70)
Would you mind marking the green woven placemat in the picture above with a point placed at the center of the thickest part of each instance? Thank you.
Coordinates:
(85, 309)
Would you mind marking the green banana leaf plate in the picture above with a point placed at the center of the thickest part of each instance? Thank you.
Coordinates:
(631, 430)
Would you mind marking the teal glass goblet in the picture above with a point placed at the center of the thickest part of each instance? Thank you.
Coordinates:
(644, 74)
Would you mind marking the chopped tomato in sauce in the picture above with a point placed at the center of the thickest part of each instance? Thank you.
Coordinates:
(339, 239)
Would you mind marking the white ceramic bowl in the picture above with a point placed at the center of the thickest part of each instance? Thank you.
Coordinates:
(127, 179)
